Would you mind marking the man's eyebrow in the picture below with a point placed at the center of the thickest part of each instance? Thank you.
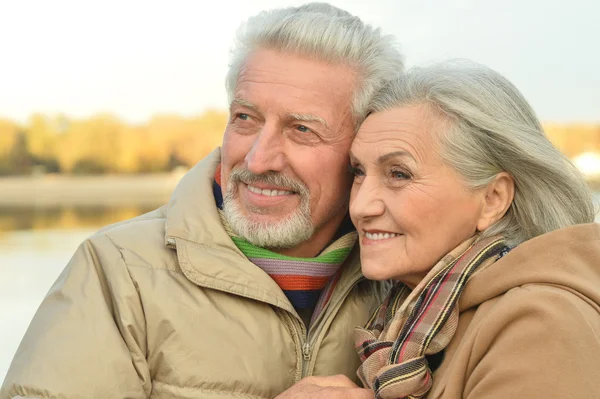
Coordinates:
(309, 118)
(244, 103)
(295, 116)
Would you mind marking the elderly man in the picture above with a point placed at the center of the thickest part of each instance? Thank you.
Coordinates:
(245, 282)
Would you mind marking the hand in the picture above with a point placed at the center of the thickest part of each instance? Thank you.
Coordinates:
(333, 387)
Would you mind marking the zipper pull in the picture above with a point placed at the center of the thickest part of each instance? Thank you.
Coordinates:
(306, 351)
(171, 243)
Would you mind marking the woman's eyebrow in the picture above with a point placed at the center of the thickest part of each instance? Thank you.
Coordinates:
(386, 157)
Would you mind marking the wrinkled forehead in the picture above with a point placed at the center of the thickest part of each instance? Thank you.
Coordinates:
(412, 128)
(274, 80)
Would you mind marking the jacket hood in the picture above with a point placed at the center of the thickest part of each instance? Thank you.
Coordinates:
(568, 258)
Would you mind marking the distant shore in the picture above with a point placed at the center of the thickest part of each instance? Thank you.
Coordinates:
(50, 191)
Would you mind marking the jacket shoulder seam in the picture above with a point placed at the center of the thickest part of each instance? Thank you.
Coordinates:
(123, 223)
(128, 264)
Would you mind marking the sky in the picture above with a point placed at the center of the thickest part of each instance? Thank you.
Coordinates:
(135, 59)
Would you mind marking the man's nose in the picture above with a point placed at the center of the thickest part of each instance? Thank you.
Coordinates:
(267, 152)
(366, 200)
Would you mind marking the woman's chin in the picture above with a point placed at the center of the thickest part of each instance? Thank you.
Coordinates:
(375, 274)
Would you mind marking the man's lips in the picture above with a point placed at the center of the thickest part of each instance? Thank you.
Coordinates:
(265, 198)
(269, 191)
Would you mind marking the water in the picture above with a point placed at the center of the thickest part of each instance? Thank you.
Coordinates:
(35, 246)
(30, 262)
(32, 257)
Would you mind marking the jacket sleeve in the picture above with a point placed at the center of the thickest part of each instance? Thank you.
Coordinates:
(537, 342)
(87, 338)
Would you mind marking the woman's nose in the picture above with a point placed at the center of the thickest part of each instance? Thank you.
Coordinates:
(366, 200)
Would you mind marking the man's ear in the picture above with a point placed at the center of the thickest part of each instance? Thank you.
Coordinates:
(499, 195)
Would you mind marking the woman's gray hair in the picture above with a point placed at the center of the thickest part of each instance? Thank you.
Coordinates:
(491, 128)
(326, 33)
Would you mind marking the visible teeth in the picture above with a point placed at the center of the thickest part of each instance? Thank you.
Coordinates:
(268, 193)
(380, 236)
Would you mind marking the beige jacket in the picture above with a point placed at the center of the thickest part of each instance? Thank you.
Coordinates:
(529, 324)
(166, 306)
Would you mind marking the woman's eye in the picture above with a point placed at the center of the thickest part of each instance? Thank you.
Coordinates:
(398, 174)
(356, 172)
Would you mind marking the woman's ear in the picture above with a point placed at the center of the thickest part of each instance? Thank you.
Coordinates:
(499, 194)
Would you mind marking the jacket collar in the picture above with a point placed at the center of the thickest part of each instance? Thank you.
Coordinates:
(191, 212)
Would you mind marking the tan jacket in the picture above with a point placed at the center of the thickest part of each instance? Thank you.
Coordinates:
(166, 306)
(529, 324)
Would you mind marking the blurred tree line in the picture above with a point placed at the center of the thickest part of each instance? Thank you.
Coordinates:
(105, 144)
(574, 139)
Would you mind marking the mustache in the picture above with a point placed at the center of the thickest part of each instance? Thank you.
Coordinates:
(271, 178)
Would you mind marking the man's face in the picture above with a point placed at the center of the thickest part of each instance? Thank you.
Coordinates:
(285, 152)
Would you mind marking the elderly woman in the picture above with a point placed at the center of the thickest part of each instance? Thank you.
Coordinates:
(487, 229)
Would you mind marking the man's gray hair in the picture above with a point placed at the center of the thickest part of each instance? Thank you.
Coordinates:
(491, 128)
(326, 33)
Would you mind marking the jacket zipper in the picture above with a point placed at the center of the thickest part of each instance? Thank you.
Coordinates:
(304, 338)
(310, 337)
(306, 351)
(299, 334)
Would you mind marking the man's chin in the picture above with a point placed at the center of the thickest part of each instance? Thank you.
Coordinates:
(265, 219)
(271, 231)
(281, 226)
(265, 214)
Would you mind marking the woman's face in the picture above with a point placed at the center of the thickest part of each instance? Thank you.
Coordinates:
(410, 209)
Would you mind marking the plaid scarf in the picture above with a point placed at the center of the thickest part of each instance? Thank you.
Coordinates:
(408, 326)
(307, 282)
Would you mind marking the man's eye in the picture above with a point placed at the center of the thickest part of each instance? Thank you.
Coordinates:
(303, 129)
(243, 117)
